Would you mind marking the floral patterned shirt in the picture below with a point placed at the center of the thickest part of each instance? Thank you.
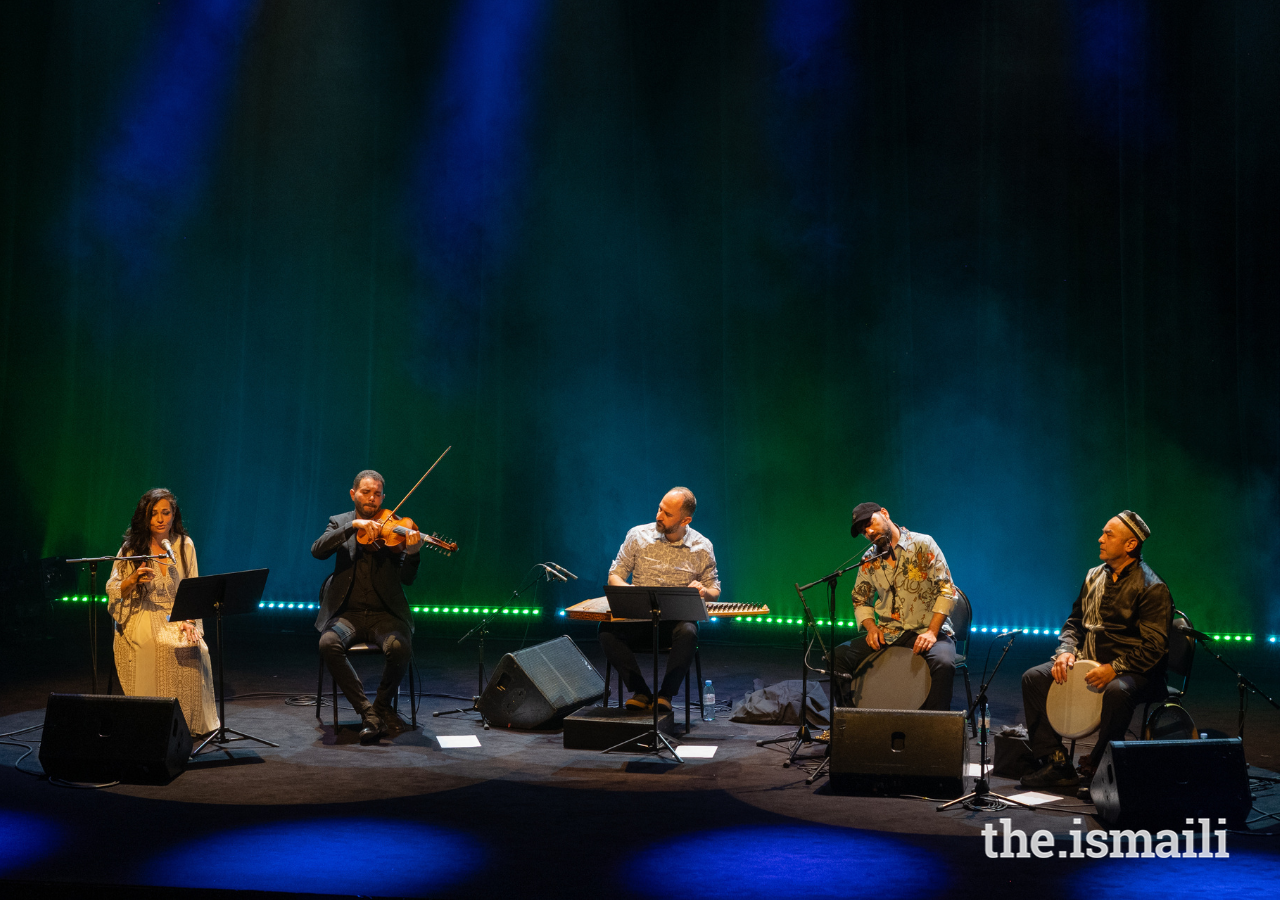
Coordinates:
(906, 593)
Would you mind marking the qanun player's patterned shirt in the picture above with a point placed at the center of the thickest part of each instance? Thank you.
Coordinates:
(650, 560)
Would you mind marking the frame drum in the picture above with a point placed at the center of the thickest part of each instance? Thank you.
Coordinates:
(892, 678)
(1074, 708)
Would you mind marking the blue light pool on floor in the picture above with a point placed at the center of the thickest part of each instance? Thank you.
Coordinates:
(801, 860)
(25, 838)
(325, 856)
(1245, 873)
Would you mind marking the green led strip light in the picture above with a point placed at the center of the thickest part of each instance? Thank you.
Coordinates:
(277, 605)
(282, 605)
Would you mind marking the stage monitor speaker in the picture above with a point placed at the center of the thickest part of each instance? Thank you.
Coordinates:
(99, 738)
(1161, 784)
(538, 686)
(897, 751)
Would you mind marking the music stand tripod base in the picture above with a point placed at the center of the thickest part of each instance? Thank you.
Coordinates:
(657, 604)
(231, 593)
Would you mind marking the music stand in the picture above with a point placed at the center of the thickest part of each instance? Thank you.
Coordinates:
(657, 604)
(231, 593)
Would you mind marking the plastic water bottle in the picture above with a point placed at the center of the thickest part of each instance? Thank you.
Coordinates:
(708, 702)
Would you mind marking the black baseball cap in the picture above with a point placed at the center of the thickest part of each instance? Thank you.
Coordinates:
(862, 514)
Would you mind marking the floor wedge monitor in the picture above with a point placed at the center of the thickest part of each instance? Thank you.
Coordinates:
(99, 738)
(538, 686)
(897, 751)
(1161, 784)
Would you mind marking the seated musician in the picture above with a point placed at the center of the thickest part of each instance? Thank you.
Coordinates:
(364, 602)
(664, 553)
(911, 588)
(1121, 619)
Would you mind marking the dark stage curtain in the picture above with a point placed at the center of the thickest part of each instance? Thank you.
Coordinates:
(1006, 268)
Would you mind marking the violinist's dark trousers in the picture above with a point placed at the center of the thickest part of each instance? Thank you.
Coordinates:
(1119, 699)
(941, 659)
(380, 629)
(620, 642)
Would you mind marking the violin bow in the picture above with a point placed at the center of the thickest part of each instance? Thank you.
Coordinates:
(422, 479)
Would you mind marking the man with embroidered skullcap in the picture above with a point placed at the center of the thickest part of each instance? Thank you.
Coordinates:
(1121, 620)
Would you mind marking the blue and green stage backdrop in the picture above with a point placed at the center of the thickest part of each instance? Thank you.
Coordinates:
(1004, 267)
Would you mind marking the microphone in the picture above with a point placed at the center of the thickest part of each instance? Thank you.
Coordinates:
(1015, 633)
(552, 573)
(565, 571)
(168, 550)
(883, 543)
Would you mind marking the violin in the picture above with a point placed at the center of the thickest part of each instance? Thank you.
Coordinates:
(394, 530)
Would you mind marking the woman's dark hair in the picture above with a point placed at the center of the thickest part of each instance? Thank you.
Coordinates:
(137, 540)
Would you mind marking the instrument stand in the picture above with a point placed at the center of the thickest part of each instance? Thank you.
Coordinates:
(1243, 685)
(230, 594)
(682, 604)
(93, 607)
(481, 630)
(982, 798)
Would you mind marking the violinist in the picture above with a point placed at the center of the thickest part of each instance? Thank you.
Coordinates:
(363, 601)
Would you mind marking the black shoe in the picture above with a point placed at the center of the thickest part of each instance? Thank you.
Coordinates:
(1086, 771)
(1057, 773)
(392, 724)
(371, 730)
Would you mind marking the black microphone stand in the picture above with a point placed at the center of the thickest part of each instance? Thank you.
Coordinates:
(482, 630)
(803, 735)
(93, 606)
(980, 798)
(1243, 684)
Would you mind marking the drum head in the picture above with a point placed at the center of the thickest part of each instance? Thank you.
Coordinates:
(892, 678)
(1169, 722)
(1074, 708)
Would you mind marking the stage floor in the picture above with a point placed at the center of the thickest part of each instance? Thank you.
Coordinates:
(521, 816)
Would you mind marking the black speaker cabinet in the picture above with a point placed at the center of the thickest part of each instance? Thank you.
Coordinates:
(99, 738)
(538, 686)
(1161, 784)
(602, 727)
(897, 751)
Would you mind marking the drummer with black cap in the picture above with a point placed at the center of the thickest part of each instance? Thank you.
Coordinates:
(901, 598)
(1121, 620)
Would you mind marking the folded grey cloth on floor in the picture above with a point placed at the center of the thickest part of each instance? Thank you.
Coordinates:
(779, 704)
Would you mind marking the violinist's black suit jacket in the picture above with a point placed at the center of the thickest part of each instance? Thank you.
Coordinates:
(390, 571)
